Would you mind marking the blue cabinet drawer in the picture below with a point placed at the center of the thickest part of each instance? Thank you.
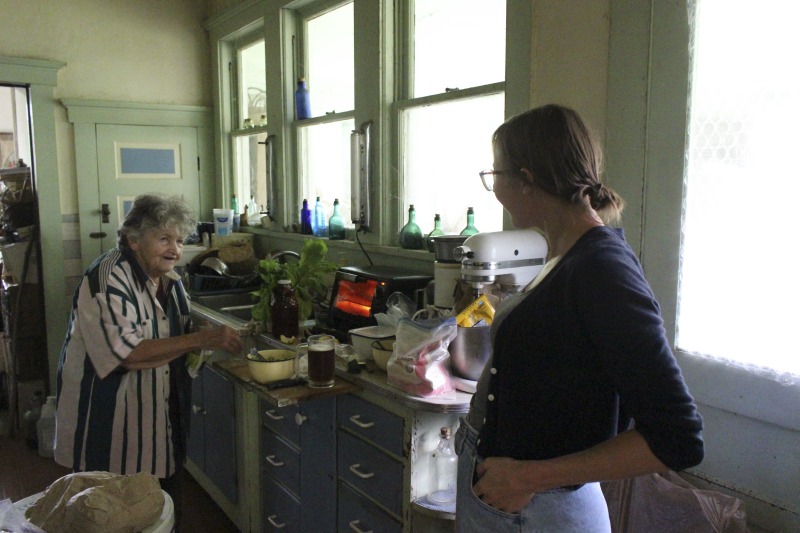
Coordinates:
(282, 420)
(359, 514)
(371, 422)
(371, 471)
(280, 510)
(280, 460)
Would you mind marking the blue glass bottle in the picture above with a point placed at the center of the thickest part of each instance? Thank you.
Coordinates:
(302, 100)
(305, 219)
(319, 223)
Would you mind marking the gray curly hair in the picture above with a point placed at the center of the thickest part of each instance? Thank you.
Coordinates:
(150, 211)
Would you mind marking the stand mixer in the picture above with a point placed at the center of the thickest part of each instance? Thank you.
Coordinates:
(508, 259)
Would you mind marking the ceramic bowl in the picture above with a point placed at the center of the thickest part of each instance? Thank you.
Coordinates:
(381, 352)
(279, 364)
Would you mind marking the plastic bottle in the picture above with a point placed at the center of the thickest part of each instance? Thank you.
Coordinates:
(236, 215)
(470, 228)
(336, 224)
(437, 230)
(46, 427)
(319, 224)
(305, 219)
(443, 470)
(410, 234)
(283, 311)
(302, 100)
(30, 418)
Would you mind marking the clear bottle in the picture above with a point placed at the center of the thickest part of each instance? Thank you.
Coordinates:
(305, 219)
(336, 224)
(319, 224)
(437, 230)
(410, 234)
(302, 100)
(236, 215)
(46, 427)
(443, 470)
(283, 311)
(470, 228)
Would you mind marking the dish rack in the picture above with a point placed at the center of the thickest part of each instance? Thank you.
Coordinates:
(205, 283)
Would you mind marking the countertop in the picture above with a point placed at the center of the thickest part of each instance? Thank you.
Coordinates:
(372, 378)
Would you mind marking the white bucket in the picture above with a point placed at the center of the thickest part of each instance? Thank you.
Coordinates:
(223, 221)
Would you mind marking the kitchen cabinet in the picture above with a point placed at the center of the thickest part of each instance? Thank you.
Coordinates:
(298, 466)
(212, 439)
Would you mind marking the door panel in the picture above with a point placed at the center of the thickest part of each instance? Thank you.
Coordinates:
(132, 160)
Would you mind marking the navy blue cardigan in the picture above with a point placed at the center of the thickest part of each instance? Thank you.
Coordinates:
(584, 354)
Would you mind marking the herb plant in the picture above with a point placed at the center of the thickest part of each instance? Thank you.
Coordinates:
(306, 276)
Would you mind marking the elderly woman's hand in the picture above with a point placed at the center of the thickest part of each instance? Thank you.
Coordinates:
(222, 338)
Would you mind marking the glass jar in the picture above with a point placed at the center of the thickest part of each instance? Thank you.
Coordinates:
(283, 310)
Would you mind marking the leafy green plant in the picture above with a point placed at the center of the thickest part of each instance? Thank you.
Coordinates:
(306, 276)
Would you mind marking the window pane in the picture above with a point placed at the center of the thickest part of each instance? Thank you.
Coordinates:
(252, 83)
(445, 146)
(251, 173)
(458, 43)
(739, 285)
(325, 165)
(329, 40)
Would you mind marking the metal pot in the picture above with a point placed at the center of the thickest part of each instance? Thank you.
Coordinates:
(443, 246)
(469, 352)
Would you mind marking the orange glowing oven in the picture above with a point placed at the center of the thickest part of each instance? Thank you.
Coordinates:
(360, 292)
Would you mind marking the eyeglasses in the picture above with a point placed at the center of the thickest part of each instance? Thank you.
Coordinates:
(488, 177)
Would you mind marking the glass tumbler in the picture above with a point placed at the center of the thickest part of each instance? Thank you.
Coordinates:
(321, 361)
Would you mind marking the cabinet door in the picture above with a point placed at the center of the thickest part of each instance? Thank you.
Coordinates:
(196, 441)
(220, 432)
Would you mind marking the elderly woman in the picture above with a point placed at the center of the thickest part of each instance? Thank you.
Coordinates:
(122, 381)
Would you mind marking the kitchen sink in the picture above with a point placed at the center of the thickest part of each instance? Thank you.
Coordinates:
(236, 305)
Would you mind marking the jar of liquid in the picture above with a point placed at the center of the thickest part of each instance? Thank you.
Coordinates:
(283, 311)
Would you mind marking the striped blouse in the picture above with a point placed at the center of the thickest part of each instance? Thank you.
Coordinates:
(109, 418)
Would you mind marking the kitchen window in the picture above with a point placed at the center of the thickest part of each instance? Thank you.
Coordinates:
(697, 147)
(425, 79)
(326, 63)
(455, 100)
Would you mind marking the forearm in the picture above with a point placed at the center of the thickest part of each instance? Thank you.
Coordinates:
(626, 455)
(152, 353)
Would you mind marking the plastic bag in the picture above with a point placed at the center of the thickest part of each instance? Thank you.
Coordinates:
(12, 520)
(398, 307)
(418, 365)
(665, 503)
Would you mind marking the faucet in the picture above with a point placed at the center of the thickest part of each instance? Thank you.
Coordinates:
(280, 255)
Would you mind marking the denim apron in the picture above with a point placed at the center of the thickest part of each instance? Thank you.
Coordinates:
(560, 511)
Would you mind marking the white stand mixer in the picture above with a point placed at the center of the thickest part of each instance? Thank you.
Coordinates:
(511, 259)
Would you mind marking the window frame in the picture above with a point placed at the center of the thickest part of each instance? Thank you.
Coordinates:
(647, 118)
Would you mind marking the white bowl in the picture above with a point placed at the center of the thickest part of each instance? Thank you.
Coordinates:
(362, 339)
(280, 364)
(381, 352)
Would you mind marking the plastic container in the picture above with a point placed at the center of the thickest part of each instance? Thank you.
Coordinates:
(223, 221)
(46, 427)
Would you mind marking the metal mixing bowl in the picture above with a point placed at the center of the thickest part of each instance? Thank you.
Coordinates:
(469, 352)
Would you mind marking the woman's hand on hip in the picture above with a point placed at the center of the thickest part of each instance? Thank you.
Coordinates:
(500, 484)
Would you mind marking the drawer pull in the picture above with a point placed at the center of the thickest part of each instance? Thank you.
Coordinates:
(354, 527)
(275, 524)
(198, 409)
(363, 475)
(273, 416)
(356, 419)
(271, 460)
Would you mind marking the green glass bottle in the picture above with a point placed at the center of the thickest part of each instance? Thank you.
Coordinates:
(470, 228)
(411, 235)
(437, 230)
(336, 224)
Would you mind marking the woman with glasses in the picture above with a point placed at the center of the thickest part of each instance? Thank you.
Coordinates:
(582, 386)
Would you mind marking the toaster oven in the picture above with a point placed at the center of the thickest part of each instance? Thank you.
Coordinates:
(361, 292)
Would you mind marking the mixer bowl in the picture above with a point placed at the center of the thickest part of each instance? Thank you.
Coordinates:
(469, 352)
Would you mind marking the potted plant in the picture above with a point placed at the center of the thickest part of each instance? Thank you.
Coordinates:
(306, 276)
